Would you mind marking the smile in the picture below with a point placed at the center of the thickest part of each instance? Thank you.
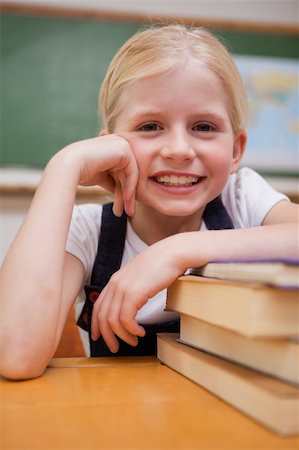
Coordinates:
(175, 180)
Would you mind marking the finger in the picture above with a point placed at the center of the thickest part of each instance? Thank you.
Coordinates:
(122, 333)
(129, 192)
(118, 204)
(100, 326)
(95, 332)
(105, 329)
(110, 324)
(129, 206)
(129, 310)
(119, 330)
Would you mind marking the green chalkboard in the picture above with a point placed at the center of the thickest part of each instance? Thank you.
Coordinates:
(51, 72)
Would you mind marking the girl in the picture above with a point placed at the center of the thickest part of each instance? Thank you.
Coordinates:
(174, 112)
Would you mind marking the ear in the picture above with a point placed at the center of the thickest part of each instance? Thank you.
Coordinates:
(104, 133)
(240, 140)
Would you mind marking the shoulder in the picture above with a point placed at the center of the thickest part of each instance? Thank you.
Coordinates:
(87, 213)
(248, 198)
(86, 221)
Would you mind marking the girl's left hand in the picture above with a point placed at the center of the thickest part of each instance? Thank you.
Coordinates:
(129, 289)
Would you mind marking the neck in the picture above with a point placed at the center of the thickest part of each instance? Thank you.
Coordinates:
(152, 226)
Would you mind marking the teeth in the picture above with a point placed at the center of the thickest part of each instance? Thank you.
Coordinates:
(174, 180)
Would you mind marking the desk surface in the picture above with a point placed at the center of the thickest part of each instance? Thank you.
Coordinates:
(125, 404)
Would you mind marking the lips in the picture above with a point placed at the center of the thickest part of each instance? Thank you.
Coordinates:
(177, 180)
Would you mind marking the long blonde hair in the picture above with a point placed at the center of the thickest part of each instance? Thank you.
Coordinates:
(158, 49)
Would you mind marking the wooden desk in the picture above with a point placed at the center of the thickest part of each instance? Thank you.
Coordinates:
(125, 404)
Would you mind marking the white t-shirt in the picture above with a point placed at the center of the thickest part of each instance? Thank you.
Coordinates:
(247, 198)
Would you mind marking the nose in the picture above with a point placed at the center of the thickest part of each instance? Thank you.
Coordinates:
(177, 146)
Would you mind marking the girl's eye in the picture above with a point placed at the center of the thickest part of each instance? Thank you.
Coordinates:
(202, 126)
(151, 126)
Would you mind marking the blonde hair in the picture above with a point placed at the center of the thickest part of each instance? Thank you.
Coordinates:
(159, 49)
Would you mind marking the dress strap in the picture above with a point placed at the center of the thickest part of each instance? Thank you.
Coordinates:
(110, 247)
(216, 217)
(108, 260)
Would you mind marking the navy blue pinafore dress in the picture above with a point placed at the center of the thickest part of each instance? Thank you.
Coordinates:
(108, 260)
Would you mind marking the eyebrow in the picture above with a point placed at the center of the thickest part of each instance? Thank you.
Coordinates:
(146, 113)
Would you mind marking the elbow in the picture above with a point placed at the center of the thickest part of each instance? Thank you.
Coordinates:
(20, 371)
(18, 365)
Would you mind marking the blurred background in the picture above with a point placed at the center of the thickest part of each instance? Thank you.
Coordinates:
(54, 55)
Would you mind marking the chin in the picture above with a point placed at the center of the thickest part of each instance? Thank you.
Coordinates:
(178, 210)
(182, 207)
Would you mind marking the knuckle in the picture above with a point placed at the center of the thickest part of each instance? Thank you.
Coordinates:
(124, 319)
(112, 320)
(114, 281)
(101, 321)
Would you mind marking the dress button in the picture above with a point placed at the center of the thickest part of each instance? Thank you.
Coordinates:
(93, 295)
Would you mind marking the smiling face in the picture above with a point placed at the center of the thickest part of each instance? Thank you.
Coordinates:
(180, 132)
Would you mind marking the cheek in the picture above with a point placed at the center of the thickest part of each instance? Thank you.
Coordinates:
(220, 158)
(221, 164)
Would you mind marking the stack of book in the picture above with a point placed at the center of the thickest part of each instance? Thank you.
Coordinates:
(239, 337)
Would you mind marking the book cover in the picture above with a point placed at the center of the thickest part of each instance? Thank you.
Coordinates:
(276, 357)
(250, 309)
(269, 401)
(279, 273)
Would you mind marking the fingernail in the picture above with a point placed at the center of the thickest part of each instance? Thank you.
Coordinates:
(116, 213)
(114, 348)
(95, 336)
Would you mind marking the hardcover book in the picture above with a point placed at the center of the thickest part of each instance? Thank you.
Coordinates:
(275, 357)
(269, 401)
(254, 310)
(282, 273)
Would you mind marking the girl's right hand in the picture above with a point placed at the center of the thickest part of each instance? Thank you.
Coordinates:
(107, 161)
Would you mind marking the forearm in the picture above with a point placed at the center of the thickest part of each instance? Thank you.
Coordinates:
(38, 281)
(264, 242)
(31, 276)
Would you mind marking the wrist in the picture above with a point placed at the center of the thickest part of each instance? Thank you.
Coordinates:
(64, 164)
(179, 250)
(190, 249)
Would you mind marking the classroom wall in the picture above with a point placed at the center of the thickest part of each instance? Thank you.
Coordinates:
(52, 68)
(257, 11)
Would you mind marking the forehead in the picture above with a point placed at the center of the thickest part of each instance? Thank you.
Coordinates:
(189, 87)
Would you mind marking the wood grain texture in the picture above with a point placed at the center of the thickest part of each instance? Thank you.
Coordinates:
(124, 406)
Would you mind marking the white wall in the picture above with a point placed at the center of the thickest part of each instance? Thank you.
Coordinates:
(12, 214)
(284, 12)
